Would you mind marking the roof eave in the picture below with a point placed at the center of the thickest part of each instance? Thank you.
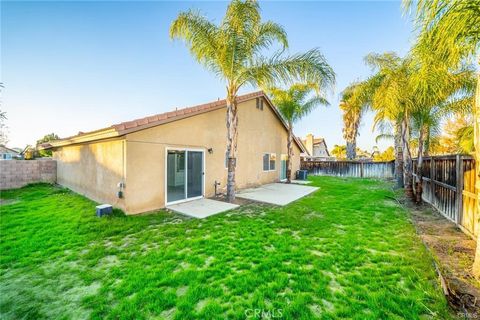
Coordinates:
(120, 130)
(167, 120)
(92, 136)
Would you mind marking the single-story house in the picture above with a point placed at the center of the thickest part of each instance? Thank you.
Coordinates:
(8, 153)
(316, 149)
(149, 163)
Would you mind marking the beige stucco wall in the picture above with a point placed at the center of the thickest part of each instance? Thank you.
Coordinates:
(138, 159)
(93, 170)
(259, 132)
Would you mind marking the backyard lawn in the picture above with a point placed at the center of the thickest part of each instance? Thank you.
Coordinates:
(346, 251)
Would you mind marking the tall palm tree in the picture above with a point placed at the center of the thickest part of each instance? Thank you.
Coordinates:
(352, 109)
(437, 91)
(233, 50)
(386, 92)
(452, 29)
(295, 103)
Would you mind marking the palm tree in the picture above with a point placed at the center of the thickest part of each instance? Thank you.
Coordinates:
(414, 94)
(437, 91)
(233, 50)
(353, 106)
(386, 93)
(452, 29)
(294, 103)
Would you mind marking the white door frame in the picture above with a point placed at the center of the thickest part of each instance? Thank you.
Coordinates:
(186, 174)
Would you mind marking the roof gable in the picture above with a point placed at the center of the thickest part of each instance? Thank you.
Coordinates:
(4, 149)
(178, 114)
(124, 128)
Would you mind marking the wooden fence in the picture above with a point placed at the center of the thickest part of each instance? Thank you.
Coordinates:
(449, 185)
(360, 169)
(442, 177)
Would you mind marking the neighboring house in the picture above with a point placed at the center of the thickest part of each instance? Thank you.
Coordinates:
(8, 154)
(175, 156)
(316, 148)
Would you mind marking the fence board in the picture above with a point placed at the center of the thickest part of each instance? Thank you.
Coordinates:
(448, 183)
(449, 186)
(359, 169)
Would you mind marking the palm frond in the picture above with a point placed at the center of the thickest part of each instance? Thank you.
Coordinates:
(309, 67)
(294, 102)
(199, 34)
(384, 136)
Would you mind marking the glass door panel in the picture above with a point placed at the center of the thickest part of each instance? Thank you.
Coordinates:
(175, 175)
(194, 174)
(283, 167)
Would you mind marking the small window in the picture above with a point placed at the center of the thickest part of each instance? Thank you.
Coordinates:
(273, 159)
(269, 160)
(266, 162)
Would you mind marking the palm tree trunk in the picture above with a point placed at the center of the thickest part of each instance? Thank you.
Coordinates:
(290, 152)
(232, 135)
(476, 264)
(351, 152)
(418, 182)
(398, 154)
(407, 159)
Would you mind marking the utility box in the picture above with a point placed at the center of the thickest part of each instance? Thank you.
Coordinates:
(104, 210)
(302, 174)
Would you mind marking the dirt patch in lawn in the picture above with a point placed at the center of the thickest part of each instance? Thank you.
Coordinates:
(454, 253)
(4, 202)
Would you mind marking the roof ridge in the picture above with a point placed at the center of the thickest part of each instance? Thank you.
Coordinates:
(124, 128)
(185, 111)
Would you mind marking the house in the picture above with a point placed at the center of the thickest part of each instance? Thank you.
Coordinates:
(148, 163)
(8, 153)
(316, 148)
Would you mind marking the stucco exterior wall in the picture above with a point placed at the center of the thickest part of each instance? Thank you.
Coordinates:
(260, 131)
(93, 170)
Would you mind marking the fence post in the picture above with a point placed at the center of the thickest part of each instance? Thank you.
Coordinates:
(361, 169)
(459, 193)
(432, 181)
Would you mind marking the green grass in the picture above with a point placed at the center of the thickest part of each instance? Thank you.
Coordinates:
(346, 251)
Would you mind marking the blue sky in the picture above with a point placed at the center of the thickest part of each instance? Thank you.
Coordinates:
(79, 66)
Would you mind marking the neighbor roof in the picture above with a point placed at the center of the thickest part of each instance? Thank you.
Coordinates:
(315, 142)
(124, 128)
(4, 148)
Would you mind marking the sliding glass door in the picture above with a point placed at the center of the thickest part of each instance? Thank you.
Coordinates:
(175, 175)
(283, 167)
(194, 173)
(184, 174)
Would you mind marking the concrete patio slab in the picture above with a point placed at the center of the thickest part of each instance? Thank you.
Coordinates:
(277, 193)
(201, 208)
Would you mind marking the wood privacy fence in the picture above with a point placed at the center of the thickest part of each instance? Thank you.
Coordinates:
(449, 185)
(360, 169)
